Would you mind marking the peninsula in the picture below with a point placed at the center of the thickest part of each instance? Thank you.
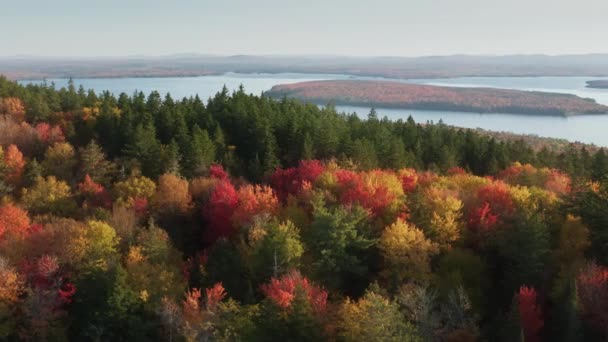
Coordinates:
(388, 94)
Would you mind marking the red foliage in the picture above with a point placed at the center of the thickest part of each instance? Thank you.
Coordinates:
(35, 228)
(14, 221)
(284, 182)
(482, 219)
(457, 170)
(310, 170)
(50, 134)
(218, 172)
(214, 295)
(409, 179)
(282, 291)
(530, 314)
(44, 276)
(66, 292)
(291, 181)
(13, 159)
(512, 172)
(498, 196)
(375, 197)
(592, 288)
(95, 194)
(219, 211)
(140, 206)
(426, 178)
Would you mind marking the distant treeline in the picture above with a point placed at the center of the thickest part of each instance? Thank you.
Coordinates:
(389, 67)
(252, 135)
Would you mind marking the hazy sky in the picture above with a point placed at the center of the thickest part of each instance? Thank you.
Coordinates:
(343, 27)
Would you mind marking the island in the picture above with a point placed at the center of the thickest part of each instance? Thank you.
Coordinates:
(389, 94)
(599, 84)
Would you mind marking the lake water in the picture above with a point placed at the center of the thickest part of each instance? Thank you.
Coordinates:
(587, 129)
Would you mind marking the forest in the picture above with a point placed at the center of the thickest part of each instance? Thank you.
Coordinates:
(389, 94)
(138, 217)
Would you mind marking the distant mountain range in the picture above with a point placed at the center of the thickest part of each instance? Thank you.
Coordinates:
(32, 67)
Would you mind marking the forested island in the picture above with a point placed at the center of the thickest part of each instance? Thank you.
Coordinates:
(600, 84)
(386, 94)
(243, 218)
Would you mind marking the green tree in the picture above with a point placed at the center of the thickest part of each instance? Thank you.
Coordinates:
(93, 162)
(339, 242)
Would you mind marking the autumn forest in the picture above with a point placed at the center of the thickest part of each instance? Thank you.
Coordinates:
(140, 217)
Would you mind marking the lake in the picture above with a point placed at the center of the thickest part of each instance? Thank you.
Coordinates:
(588, 129)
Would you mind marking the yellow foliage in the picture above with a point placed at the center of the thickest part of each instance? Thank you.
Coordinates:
(11, 284)
(373, 318)
(135, 255)
(407, 252)
(45, 192)
(100, 244)
(134, 187)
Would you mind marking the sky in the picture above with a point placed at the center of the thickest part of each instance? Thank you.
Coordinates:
(296, 27)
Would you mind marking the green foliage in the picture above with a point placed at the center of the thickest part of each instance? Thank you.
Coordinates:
(104, 274)
(339, 241)
(277, 251)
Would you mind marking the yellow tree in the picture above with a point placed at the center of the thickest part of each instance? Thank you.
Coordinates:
(48, 195)
(406, 252)
(373, 318)
(133, 188)
(443, 211)
(172, 195)
(59, 161)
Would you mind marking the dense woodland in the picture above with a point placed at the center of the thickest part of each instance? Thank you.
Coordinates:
(142, 218)
(429, 97)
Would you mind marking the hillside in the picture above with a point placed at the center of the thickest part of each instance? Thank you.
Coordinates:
(412, 96)
(141, 218)
(389, 67)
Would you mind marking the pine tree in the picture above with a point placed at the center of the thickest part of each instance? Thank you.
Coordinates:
(93, 162)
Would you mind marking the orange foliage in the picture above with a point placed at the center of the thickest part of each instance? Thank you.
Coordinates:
(254, 200)
(14, 221)
(214, 295)
(283, 291)
(13, 107)
(13, 159)
(374, 190)
(172, 194)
